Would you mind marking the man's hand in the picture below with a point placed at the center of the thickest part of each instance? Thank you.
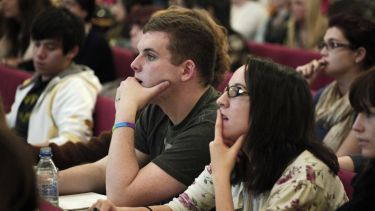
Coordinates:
(132, 96)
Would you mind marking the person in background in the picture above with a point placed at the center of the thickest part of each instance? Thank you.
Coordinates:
(136, 19)
(94, 52)
(17, 16)
(276, 29)
(347, 50)
(168, 144)
(57, 103)
(249, 18)
(264, 156)
(362, 99)
(306, 25)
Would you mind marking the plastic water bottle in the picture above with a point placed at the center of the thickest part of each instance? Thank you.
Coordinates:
(47, 177)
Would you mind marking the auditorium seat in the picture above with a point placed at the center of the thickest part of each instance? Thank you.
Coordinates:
(224, 83)
(346, 179)
(292, 57)
(104, 114)
(10, 78)
(122, 59)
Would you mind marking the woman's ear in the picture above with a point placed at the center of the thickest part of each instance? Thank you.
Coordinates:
(189, 70)
(360, 55)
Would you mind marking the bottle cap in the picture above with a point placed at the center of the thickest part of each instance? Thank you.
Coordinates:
(45, 152)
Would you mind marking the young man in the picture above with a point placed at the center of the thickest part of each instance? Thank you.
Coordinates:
(168, 147)
(56, 105)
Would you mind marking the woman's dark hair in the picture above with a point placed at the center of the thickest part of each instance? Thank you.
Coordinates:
(17, 30)
(362, 92)
(281, 125)
(360, 32)
(18, 190)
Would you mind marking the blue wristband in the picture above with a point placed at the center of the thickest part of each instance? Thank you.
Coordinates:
(123, 124)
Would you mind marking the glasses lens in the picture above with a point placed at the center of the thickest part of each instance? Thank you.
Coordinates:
(233, 91)
(321, 45)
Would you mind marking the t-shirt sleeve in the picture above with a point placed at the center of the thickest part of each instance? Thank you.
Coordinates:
(186, 158)
(140, 135)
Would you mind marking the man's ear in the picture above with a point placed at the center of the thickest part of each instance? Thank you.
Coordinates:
(360, 55)
(72, 53)
(189, 70)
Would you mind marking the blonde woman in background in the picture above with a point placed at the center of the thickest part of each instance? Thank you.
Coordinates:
(307, 24)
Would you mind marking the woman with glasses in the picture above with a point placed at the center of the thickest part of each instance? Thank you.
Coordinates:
(347, 50)
(264, 156)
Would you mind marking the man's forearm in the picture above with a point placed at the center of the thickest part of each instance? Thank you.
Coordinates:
(122, 166)
(83, 178)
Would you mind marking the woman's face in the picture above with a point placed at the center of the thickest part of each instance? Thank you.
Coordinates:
(339, 56)
(364, 130)
(10, 8)
(235, 110)
(298, 9)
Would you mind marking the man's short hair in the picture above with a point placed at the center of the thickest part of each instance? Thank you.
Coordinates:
(59, 24)
(188, 39)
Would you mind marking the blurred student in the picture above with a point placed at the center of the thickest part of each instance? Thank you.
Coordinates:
(17, 17)
(94, 51)
(362, 98)
(347, 50)
(56, 105)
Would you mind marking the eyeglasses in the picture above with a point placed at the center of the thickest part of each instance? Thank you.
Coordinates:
(235, 91)
(330, 45)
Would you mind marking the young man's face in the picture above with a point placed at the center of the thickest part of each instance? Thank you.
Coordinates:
(153, 64)
(48, 57)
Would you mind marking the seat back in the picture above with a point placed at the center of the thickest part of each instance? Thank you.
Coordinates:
(10, 78)
(122, 59)
(224, 83)
(104, 114)
(346, 179)
(291, 57)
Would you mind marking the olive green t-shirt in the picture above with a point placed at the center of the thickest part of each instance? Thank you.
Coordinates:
(180, 150)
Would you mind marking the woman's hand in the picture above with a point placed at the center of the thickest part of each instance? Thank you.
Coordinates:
(103, 205)
(309, 70)
(223, 157)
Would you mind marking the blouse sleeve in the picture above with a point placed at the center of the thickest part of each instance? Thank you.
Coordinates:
(319, 190)
(198, 196)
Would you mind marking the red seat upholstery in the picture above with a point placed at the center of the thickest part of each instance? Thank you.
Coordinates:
(46, 206)
(292, 57)
(122, 59)
(225, 81)
(104, 114)
(9, 80)
(346, 179)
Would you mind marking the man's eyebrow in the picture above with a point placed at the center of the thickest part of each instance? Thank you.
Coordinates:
(149, 50)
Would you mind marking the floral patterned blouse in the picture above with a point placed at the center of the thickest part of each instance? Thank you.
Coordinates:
(306, 184)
